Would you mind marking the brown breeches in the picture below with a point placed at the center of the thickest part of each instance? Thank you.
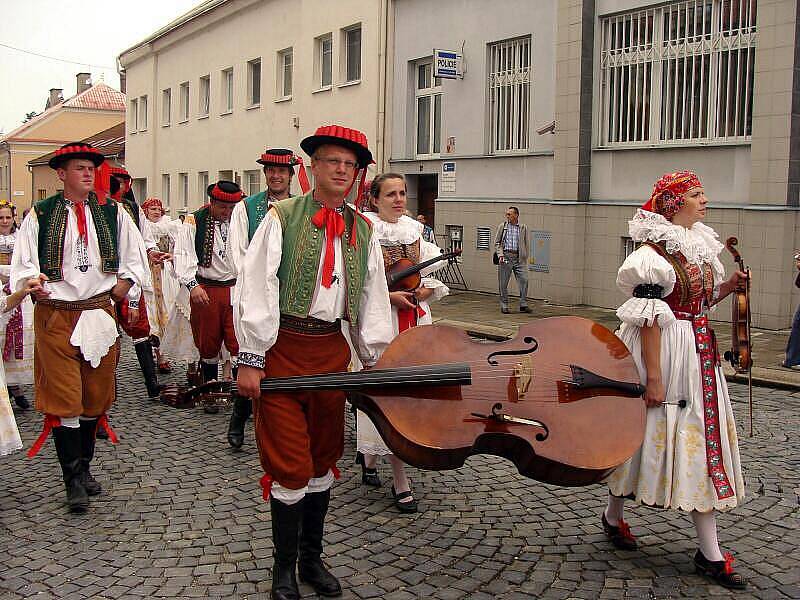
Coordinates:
(213, 324)
(65, 384)
(301, 435)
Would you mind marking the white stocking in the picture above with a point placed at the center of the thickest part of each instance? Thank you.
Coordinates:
(706, 526)
(614, 510)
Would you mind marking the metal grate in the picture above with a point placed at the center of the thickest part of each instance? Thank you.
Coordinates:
(484, 237)
(683, 71)
(509, 94)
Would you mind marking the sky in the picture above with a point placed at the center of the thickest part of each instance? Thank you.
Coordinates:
(91, 33)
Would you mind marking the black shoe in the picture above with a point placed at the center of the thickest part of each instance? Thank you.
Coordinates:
(68, 449)
(620, 535)
(720, 571)
(285, 532)
(368, 476)
(20, 400)
(88, 428)
(242, 408)
(144, 352)
(524, 309)
(310, 567)
(505, 311)
(409, 506)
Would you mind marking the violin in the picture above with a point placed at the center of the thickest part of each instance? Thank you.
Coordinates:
(562, 400)
(404, 275)
(741, 342)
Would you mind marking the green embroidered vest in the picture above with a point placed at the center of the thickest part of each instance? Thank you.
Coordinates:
(204, 236)
(52, 216)
(133, 210)
(303, 250)
(256, 206)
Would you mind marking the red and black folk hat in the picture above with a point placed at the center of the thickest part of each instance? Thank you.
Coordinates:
(120, 173)
(225, 191)
(279, 157)
(339, 136)
(76, 150)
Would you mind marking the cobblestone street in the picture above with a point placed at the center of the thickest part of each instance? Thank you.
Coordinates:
(182, 516)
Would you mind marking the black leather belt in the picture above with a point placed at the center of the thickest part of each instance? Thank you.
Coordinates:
(309, 325)
(215, 282)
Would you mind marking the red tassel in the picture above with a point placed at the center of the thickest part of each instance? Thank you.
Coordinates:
(336, 473)
(102, 181)
(728, 567)
(103, 422)
(302, 176)
(266, 487)
(50, 421)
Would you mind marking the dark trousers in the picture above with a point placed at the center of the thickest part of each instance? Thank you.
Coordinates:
(793, 347)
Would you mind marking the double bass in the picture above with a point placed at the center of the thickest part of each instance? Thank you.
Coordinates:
(562, 400)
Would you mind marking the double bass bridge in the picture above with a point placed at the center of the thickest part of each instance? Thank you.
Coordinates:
(519, 383)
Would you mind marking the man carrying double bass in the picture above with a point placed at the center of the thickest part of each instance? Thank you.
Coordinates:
(312, 262)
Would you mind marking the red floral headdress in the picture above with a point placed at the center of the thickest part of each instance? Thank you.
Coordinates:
(668, 193)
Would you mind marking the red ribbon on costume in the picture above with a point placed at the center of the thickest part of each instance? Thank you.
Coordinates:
(302, 176)
(14, 332)
(728, 567)
(80, 214)
(50, 421)
(266, 486)
(336, 473)
(103, 422)
(102, 181)
(333, 222)
(409, 317)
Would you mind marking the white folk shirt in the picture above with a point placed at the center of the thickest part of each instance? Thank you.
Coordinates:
(186, 260)
(258, 299)
(240, 229)
(79, 284)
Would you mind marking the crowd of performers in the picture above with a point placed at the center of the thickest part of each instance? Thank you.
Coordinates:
(278, 284)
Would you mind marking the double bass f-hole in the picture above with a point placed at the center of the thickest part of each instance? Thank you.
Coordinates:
(499, 416)
(527, 339)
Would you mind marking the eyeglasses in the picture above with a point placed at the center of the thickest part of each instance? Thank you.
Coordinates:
(335, 162)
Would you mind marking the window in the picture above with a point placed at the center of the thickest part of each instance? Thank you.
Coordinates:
(41, 194)
(183, 186)
(139, 187)
(227, 90)
(184, 101)
(678, 72)
(142, 113)
(134, 116)
(227, 175)
(202, 184)
(165, 190)
(166, 106)
(483, 238)
(284, 79)
(351, 41)
(254, 82)
(428, 109)
(204, 103)
(323, 61)
(509, 94)
(252, 182)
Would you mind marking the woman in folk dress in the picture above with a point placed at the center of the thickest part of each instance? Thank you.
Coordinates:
(16, 337)
(400, 237)
(690, 456)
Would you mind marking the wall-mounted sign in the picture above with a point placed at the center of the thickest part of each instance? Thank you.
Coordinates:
(447, 183)
(448, 64)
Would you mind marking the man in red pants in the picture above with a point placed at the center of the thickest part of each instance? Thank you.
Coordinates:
(204, 264)
(312, 262)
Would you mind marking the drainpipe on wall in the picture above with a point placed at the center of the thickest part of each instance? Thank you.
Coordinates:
(383, 86)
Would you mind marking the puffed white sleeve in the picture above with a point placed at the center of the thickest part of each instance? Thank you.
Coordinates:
(184, 257)
(428, 251)
(373, 331)
(646, 268)
(25, 259)
(259, 293)
(133, 261)
(238, 236)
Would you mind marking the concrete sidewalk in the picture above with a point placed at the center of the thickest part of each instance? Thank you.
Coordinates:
(479, 313)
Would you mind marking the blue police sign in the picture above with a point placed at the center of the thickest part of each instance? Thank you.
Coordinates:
(447, 64)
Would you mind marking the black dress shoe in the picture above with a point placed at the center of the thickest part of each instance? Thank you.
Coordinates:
(22, 402)
(368, 476)
(720, 571)
(620, 535)
(410, 506)
(524, 309)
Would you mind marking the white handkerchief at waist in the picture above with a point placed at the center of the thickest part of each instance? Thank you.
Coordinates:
(94, 333)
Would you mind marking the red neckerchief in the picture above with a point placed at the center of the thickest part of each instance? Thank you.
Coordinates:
(333, 222)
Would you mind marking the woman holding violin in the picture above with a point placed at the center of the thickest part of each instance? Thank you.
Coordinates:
(401, 242)
(690, 457)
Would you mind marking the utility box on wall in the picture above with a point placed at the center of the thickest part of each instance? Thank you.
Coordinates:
(539, 260)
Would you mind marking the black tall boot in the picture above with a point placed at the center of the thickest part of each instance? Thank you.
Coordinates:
(242, 409)
(88, 429)
(68, 449)
(285, 527)
(310, 567)
(144, 352)
(210, 373)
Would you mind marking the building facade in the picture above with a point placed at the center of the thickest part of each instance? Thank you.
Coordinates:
(571, 109)
(93, 108)
(208, 92)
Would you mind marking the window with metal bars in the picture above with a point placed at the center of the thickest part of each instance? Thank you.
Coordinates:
(679, 72)
(509, 94)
